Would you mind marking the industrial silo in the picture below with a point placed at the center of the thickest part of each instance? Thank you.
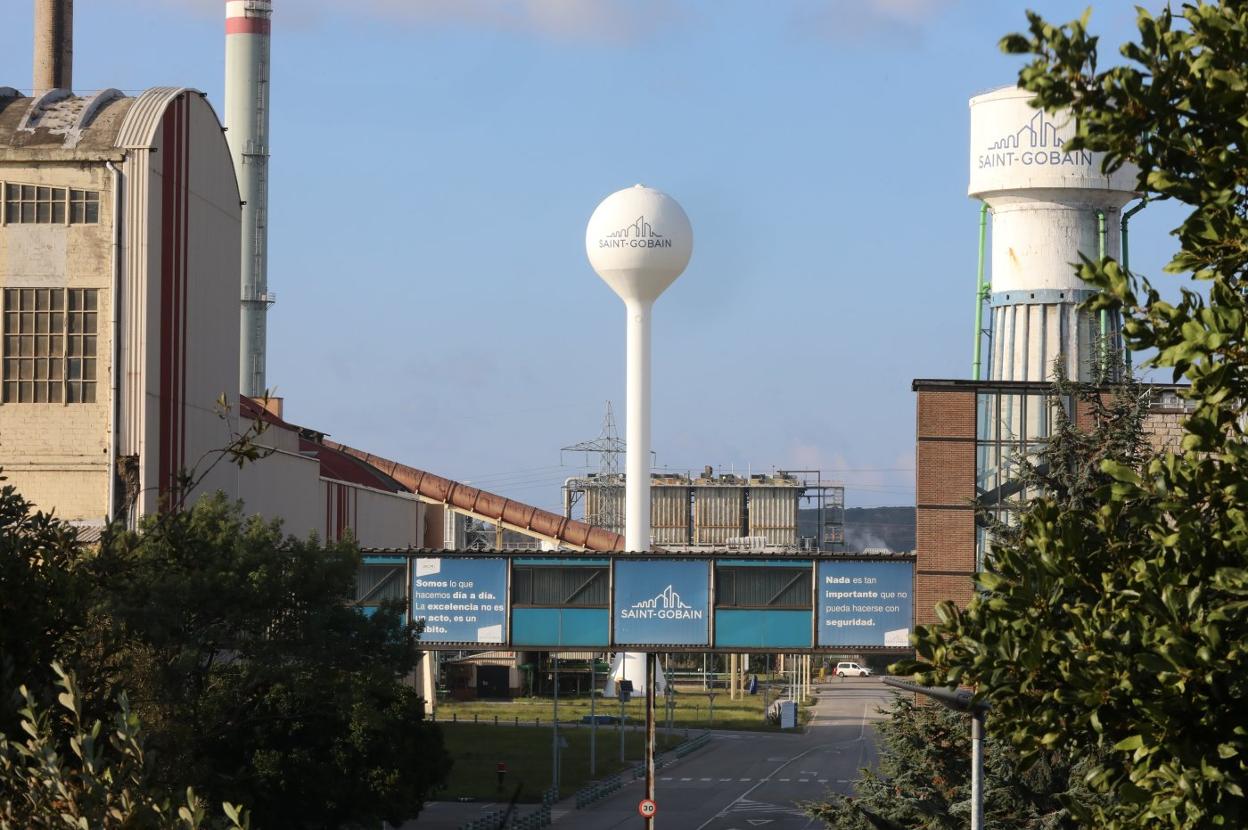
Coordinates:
(718, 512)
(669, 511)
(1049, 206)
(773, 510)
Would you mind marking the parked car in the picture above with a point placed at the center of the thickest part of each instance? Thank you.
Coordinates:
(852, 670)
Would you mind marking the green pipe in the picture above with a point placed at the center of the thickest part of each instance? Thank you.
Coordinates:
(1102, 243)
(981, 291)
(1126, 262)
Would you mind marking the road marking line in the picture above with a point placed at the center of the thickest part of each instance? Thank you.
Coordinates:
(803, 780)
(686, 779)
(785, 780)
(823, 780)
(760, 783)
(705, 779)
(727, 779)
(745, 779)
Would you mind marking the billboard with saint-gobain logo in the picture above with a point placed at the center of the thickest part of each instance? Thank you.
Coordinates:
(662, 602)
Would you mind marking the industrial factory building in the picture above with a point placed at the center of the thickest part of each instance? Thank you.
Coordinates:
(134, 290)
(784, 511)
(1046, 207)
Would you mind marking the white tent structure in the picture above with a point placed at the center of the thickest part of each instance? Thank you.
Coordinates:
(632, 666)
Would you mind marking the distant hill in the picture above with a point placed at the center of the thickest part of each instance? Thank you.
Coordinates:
(870, 527)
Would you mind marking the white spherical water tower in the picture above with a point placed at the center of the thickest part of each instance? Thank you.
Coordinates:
(639, 240)
(1049, 205)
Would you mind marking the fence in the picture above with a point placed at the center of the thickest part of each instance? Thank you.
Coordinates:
(509, 820)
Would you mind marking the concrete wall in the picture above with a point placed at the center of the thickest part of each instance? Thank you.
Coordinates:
(288, 486)
(375, 518)
(56, 454)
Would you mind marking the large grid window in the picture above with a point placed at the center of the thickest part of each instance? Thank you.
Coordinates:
(50, 345)
(762, 587)
(1012, 427)
(28, 204)
(547, 586)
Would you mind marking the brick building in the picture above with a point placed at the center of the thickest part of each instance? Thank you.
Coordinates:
(968, 437)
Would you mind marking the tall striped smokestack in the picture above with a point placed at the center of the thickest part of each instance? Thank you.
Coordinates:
(54, 45)
(247, 24)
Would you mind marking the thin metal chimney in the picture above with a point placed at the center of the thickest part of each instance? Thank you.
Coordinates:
(54, 45)
(247, 25)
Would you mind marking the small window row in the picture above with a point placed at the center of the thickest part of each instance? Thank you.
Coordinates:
(29, 204)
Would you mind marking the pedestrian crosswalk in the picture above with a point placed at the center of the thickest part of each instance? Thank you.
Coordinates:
(749, 806)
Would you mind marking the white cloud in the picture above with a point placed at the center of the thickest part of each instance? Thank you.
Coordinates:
(868, 20)
(568, 20)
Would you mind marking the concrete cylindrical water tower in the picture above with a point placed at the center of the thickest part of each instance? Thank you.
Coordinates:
(639, 240)
(1049, 205)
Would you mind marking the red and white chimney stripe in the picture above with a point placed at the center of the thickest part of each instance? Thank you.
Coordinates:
(248, 17)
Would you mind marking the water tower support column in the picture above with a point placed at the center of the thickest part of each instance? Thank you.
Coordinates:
(637, 432)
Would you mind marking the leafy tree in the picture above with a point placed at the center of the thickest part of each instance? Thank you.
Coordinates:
(235, 646)
(41, 597)
(1121, 623)
(924, 780)
(94, 781)
(257, 681)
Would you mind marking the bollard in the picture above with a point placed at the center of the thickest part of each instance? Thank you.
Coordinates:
(454, 717)
(496, 720)
(517, 720)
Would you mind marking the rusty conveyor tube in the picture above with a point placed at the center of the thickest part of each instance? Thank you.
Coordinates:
(491, 506)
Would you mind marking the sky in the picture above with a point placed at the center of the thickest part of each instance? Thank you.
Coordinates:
(434, 163)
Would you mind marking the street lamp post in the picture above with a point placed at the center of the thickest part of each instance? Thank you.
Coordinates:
(960, 701)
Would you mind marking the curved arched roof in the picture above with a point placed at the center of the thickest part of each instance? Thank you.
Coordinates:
(99, 123)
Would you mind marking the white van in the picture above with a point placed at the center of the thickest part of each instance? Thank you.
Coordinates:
(851, 670)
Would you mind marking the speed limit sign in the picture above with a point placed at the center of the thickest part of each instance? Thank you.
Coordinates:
(647, 808)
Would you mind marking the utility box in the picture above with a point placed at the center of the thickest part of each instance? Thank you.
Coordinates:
(788, 714)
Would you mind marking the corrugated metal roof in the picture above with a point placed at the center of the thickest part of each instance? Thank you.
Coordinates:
(138, 131)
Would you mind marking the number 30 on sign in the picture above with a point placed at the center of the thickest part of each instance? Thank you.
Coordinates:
(647, 808)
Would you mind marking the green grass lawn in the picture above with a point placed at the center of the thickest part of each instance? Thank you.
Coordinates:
(692, 711)
(477, 748)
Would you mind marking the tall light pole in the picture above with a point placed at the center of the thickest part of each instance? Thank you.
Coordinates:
(639, 240)
(960, 701)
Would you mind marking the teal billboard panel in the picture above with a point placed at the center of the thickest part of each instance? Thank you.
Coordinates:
(461, 600)
(865, 603)
(662, 602)
(560, 627)
(750, 628)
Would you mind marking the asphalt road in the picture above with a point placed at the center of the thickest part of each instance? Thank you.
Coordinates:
(742, 780)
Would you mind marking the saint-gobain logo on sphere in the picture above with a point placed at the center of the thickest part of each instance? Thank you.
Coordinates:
(1035, 144)
(666, 605)
(637, 235)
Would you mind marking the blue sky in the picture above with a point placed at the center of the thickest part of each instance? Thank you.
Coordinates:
(435, 162)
